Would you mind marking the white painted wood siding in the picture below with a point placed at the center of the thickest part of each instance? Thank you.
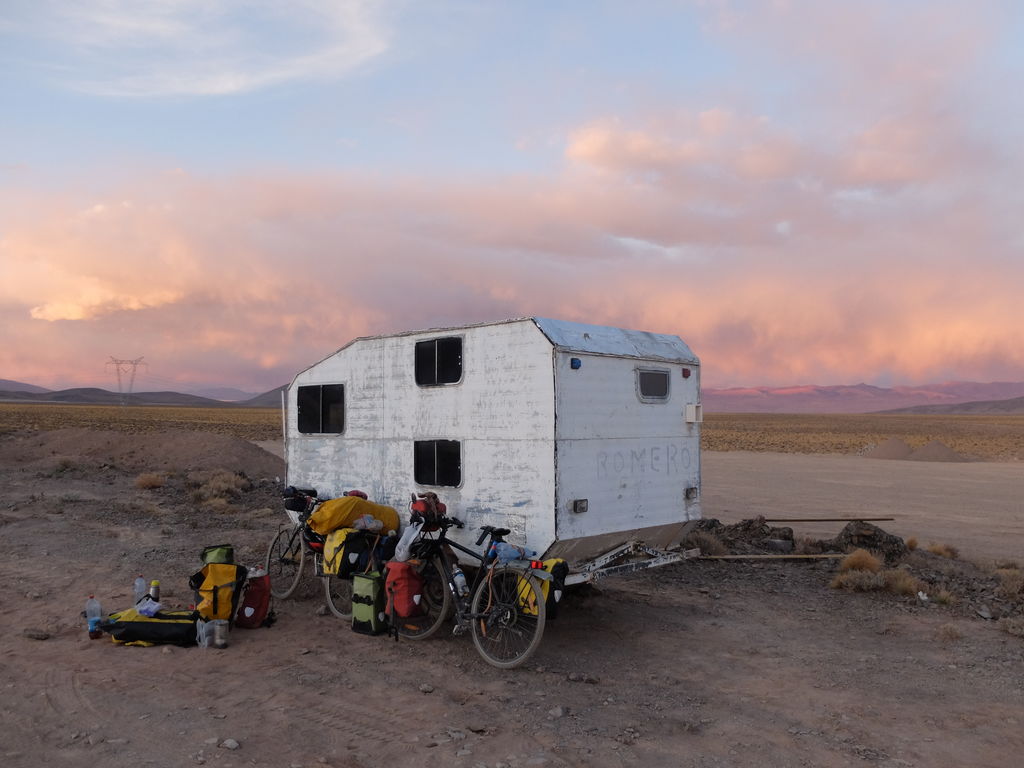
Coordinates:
(631, 460)
(502, 412)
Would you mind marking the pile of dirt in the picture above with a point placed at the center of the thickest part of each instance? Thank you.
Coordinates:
(936, 450)
(747, 536)
(169, 450)
(860, 535)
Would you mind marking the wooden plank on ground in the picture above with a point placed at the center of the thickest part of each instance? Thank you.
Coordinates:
(770, 557)
(827, 519)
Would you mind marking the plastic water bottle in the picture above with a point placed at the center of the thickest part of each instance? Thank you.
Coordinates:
(139, 588)
(460, 581)
(154, 590)
(93, 614)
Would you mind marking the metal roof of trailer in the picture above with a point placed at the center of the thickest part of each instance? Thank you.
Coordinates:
(620, 342)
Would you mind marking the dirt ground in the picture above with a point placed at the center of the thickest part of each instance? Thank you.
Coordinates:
(706, 663)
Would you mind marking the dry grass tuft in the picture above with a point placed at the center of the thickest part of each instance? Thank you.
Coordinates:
(944, 597)
(1012, 626)
(1011, 583)
(706, 542)
(148, 480)
(900, 582)
(944, 550)
(860, 560)
(216, 487)
(895, 581)
(949, 633)
(911, 543)
(859, 581)
(805, 545)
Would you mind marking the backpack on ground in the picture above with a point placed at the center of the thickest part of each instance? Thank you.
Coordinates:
(404, 588)
(254, 607)
(130, 627)
(218, 588)
(368, 604)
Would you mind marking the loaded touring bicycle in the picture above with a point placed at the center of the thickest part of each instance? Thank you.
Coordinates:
(581, 442)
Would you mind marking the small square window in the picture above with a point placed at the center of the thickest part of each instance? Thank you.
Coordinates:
(437, 462)
(652, 385)
(439, 361)
(321, 409)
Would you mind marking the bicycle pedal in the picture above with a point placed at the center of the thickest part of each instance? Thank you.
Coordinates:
(459, 629)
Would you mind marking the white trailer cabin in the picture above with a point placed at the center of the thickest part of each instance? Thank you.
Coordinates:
(578, 438)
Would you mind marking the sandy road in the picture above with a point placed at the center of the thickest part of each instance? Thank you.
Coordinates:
(977, 507)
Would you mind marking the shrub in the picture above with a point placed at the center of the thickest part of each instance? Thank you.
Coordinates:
(1011, 583)
(1013, 626)
(148, 480)
(911, 543)
(944, 597)
(860, 560)
(805, 545)
(218, 485)
(944, 550)
(858, 581)
(900, 582)
(708, 543)
(949, 633)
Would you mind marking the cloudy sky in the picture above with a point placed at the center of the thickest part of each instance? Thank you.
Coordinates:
(806, 191)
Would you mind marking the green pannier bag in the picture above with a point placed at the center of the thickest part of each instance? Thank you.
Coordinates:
(369, 605)
(219, 553)
(132, 628)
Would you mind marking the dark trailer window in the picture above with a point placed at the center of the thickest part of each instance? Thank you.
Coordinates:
(437, 462)
(653, 385)
(321, 409)
(439, 361)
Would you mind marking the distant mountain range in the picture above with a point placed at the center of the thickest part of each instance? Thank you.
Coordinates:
(17, 391)
(949, 397)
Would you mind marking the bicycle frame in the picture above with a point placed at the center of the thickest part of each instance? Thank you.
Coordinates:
(436, 547)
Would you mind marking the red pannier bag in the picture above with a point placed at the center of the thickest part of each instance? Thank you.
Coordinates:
(254, 607)
(404, 588)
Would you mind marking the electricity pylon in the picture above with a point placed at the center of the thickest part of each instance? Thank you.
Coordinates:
(125, 366)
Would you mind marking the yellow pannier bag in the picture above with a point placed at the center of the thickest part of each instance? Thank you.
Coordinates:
(550, 590)
(334, 549)
(344, 511)
(218, 587)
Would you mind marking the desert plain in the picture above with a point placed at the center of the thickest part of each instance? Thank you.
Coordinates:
(710, 662)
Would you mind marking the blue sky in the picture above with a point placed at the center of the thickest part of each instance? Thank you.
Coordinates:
(805, 191)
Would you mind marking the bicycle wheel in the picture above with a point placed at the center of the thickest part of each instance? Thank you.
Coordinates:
(508, 617)
(338, 591)
(436, 604)
(285, 559)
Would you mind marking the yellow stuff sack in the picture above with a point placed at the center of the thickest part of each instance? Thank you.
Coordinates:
(218, 587)
(344, 511)
(334, 549)
(551, 590)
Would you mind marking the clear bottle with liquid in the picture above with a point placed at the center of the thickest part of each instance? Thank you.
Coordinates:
(139, 588)
(93, 614)
(460, 581)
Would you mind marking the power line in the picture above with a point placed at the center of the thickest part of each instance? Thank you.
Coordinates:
(125, 366)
